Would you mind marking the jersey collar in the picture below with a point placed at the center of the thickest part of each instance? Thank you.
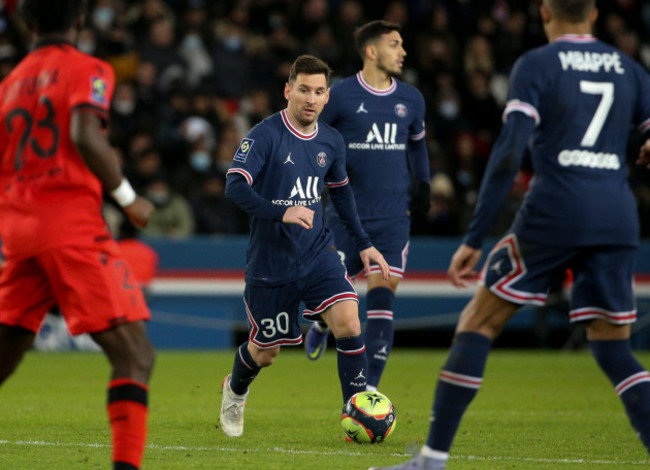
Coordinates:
(581, 38)
(376, 91)
(293, 130)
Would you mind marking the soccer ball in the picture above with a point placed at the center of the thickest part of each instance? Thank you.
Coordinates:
(368, 417)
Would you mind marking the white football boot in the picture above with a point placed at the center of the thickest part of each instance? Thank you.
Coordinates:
(232, 410)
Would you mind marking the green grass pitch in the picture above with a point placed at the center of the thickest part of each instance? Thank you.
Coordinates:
(536, 410)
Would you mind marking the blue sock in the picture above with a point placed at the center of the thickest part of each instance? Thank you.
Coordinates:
(244, 370)
(352, 364)
(379, 331)
(631, 381)
(458, 382)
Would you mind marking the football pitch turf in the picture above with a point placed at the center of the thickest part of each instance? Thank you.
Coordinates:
(536, 410)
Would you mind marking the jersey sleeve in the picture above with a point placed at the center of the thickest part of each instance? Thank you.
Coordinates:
(642, 111)
(91, 88)
(525, 88)
(248, 162)
(251, 155)
(416, 128)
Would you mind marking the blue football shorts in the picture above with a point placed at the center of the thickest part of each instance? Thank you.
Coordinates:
(522, 272)
(272, 311)
(389, 236)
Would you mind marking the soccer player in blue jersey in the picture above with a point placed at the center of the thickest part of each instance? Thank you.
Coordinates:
(277, 176)
(382, 122)
(573, 101)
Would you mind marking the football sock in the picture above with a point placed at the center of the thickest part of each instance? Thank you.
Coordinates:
(631, 381)
(379, 331)
(459, 380)
(127, 412)
(244, 370)
(352, 364)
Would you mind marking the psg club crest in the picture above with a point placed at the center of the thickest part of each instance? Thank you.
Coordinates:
(321, 159)
(401, 110)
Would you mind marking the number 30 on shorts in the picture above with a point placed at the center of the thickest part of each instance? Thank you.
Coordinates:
(270, 326)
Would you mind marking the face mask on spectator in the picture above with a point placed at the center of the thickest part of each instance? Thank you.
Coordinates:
(200, 160)
(192, 41)
(123, 107)
(103, 18)
(448, 109)
(158, 197)
(233, 43)
(87, 47)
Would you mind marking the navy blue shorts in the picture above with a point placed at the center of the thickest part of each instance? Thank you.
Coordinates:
(389, 236)
(523, 272)
(272, 311)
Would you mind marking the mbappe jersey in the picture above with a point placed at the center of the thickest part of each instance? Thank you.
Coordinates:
(48, 196)
(584, 96)
(376, 125)
(288, 168)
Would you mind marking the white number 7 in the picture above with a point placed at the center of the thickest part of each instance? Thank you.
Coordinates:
(606, 90)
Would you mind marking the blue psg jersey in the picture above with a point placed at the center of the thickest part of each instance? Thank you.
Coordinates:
(376, 125)
(584, 96)
(288, 168)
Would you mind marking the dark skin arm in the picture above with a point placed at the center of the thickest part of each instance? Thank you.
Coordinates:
(86, 132)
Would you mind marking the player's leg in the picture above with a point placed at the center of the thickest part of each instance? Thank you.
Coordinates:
(602, 294)
(391, 238)
(461, 376)
(131, 356)
(14, 342)
(25, 297)
(379, 332)
(330, 296)
(98, 294)
(343, 319)
(272, 314)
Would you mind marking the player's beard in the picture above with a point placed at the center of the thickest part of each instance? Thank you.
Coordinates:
(391, 73)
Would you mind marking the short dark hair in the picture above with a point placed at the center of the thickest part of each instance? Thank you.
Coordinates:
(371, 31)
(51, 16)
(310, 65)
(572, 11)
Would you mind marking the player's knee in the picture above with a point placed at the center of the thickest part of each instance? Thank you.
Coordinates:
(265, 357)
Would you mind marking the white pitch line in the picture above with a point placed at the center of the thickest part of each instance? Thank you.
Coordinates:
(282, 450)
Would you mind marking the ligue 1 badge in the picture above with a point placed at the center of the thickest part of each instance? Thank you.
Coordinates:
(321, 159)
(400, 110)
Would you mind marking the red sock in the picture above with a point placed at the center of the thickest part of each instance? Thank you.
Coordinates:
(127, 412)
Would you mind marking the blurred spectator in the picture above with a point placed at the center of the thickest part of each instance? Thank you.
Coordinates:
(214, 214)
(173, 216)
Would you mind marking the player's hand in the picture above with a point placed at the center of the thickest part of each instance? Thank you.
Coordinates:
(139, 211)
(371, 255)
(462, 265)
(299, 215)
(644, 154)
(420, 201)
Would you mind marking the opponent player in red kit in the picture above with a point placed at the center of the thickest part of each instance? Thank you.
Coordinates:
(55, 160)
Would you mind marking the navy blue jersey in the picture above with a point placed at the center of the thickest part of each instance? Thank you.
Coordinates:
(286, 168)
(376, 126)
(583, 96)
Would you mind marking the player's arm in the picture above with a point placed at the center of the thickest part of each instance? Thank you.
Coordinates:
(240, 191)
(86, 133)
(503, 164)
(421, 188)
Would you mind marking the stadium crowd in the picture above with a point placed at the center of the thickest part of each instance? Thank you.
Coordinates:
(193, 76)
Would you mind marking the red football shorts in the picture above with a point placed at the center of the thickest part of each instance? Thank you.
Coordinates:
(93, 287)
